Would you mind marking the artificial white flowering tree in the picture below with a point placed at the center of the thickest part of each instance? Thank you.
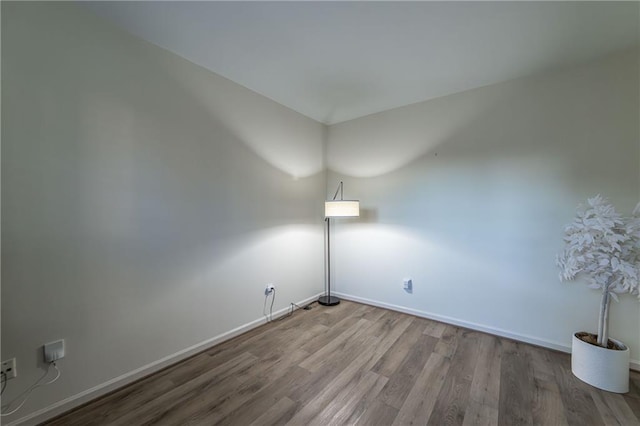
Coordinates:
(603, 246)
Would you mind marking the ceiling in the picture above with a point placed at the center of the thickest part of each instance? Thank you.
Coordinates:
(335, 61)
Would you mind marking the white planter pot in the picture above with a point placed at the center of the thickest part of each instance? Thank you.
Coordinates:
(605, 369)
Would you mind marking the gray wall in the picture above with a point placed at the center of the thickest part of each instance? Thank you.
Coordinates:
(146, 202)
(469, 194)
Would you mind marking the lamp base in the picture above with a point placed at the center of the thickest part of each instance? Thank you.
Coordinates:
(328, 300)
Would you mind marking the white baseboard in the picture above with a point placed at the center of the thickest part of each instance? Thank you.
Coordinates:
(633, 364)
(127, 378)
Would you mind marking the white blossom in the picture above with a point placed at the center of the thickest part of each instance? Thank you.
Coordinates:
(604, 247)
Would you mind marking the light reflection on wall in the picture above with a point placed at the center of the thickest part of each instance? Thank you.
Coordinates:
(216, 273)
(284, 138)
(380, 143)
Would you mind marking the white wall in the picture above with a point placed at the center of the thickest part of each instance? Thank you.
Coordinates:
(468, 195)
(146, 202)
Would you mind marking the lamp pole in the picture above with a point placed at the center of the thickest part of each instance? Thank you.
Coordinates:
(328, 300)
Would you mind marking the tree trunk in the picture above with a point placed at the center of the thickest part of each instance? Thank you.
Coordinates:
(603, 322)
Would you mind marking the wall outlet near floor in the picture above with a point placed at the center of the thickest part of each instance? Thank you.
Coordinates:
(8, 368)
(270, 289)
(407, 284)
(53, 351)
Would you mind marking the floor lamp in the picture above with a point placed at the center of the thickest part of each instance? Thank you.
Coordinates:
(336, 208)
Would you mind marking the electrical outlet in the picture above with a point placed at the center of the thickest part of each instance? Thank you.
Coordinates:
(9, 368)
(407, 284)
(270, 289)
(53, 351)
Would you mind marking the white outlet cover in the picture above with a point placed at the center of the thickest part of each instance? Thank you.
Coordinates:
(54, 351)
(9, 368)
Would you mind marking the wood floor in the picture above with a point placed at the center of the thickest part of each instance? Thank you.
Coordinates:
(357, 364)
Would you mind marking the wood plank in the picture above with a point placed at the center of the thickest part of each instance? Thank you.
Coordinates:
(606, 414)
(377, 315)
(273, 415)
(516, 386)
(395, 356)
(108, 409)
(263, 399)
(337, 345)
(348, 377)
(478, 414)
(453, 398)
(633, 397)
(434, 329)
(485, 384)
(633, 403)
(378, 414)
(334, 331)
(618, 407)
(273, 334)
(177, 401)
(541, 363)
(368, 400)
(213, 410)
(547, 404)
(579, 407)
(401, 382)
(448, 342)
(344, 404)
(348, 374)
(418, 405)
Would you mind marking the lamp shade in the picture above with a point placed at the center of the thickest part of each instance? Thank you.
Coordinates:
(341, 208)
